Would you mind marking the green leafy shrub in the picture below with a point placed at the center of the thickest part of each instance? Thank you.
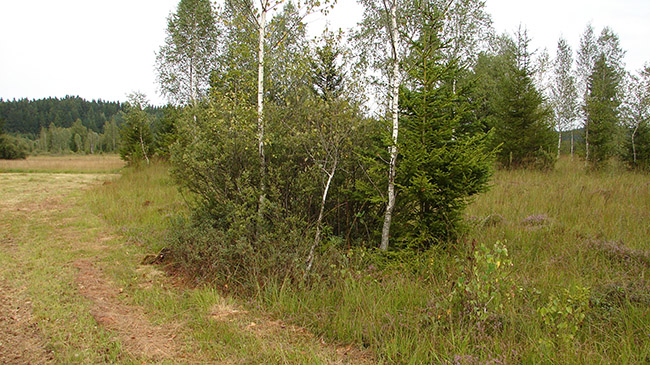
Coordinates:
(484, 290)
(563, 315)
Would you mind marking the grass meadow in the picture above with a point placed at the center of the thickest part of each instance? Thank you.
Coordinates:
(554, 268)
(64, 164)
(567, 283)
(54, 221)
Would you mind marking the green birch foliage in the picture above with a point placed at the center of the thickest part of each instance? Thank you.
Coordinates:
(187, 59)
(635, 114)
(443, 160)
(602, 112)
(136, 137)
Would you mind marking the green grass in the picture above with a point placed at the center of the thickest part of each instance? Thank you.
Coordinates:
(39, 264)
(566, 230)
(139, 206)
(591, 231)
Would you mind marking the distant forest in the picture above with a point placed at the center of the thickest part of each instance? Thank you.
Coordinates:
(26, 116)
(71, 124)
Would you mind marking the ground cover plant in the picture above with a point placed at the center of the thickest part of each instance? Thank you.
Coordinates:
(553, 268)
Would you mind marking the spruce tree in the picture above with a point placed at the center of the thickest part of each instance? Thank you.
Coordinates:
(442, 162)
(602, 112)
(522, 121)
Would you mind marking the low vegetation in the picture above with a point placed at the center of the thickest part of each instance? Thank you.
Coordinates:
(555, 278)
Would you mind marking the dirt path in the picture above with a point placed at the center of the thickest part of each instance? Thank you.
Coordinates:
(58, 303)
(35, 201)
(135, 332)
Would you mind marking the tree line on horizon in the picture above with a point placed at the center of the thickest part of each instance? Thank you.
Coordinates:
(68, 125)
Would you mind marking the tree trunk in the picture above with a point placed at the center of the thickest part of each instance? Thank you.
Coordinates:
(260, 112)
(144, 153)
(317, 238)
(586, 144)
(634, 145)
(559, 144)
(571, 145)
(385, 233)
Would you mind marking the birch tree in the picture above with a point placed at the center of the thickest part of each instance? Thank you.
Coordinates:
(257, 13)
(334, 119)
(137, 140)
(586, 59)
(563, 91)
(186, 60)
(636, 116)
(383, 46)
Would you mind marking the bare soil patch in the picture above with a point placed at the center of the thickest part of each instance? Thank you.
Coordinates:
(136, 333)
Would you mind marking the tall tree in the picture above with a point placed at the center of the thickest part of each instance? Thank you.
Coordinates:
(517, 109)
(587, 54)
(609, 44)
(258, 16)
(186, 60)
(334, 117)
(563, 91)
(383, 42)
(635, 111)
(137, 140)
(442, 161)
(466, 30)
(602, 111)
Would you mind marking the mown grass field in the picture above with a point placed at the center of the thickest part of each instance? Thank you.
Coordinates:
(578, 289)
(64, 164)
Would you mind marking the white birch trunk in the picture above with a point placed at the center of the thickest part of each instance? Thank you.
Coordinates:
(385, 233)
(559, 144)
(144, 152)
(633, 144)
(260, 111)
(571, 145)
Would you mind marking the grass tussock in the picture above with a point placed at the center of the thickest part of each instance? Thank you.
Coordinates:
(553, 268)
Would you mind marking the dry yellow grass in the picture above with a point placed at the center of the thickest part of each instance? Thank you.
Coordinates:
(68, 163)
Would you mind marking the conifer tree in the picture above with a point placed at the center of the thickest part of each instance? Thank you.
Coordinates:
(602, 112)
(442, 161)
(522, 120)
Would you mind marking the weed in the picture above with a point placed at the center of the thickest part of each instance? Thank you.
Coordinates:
(485, 288)
(563, 316)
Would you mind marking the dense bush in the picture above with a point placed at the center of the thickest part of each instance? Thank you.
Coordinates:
(11, 148)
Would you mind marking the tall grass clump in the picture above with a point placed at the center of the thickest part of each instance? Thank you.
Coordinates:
(141, 203)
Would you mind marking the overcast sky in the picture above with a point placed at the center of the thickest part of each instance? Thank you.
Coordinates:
(106, 49)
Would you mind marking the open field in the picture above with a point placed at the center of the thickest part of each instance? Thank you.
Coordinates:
(73, 289)
(578, 289)
(65, 163)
